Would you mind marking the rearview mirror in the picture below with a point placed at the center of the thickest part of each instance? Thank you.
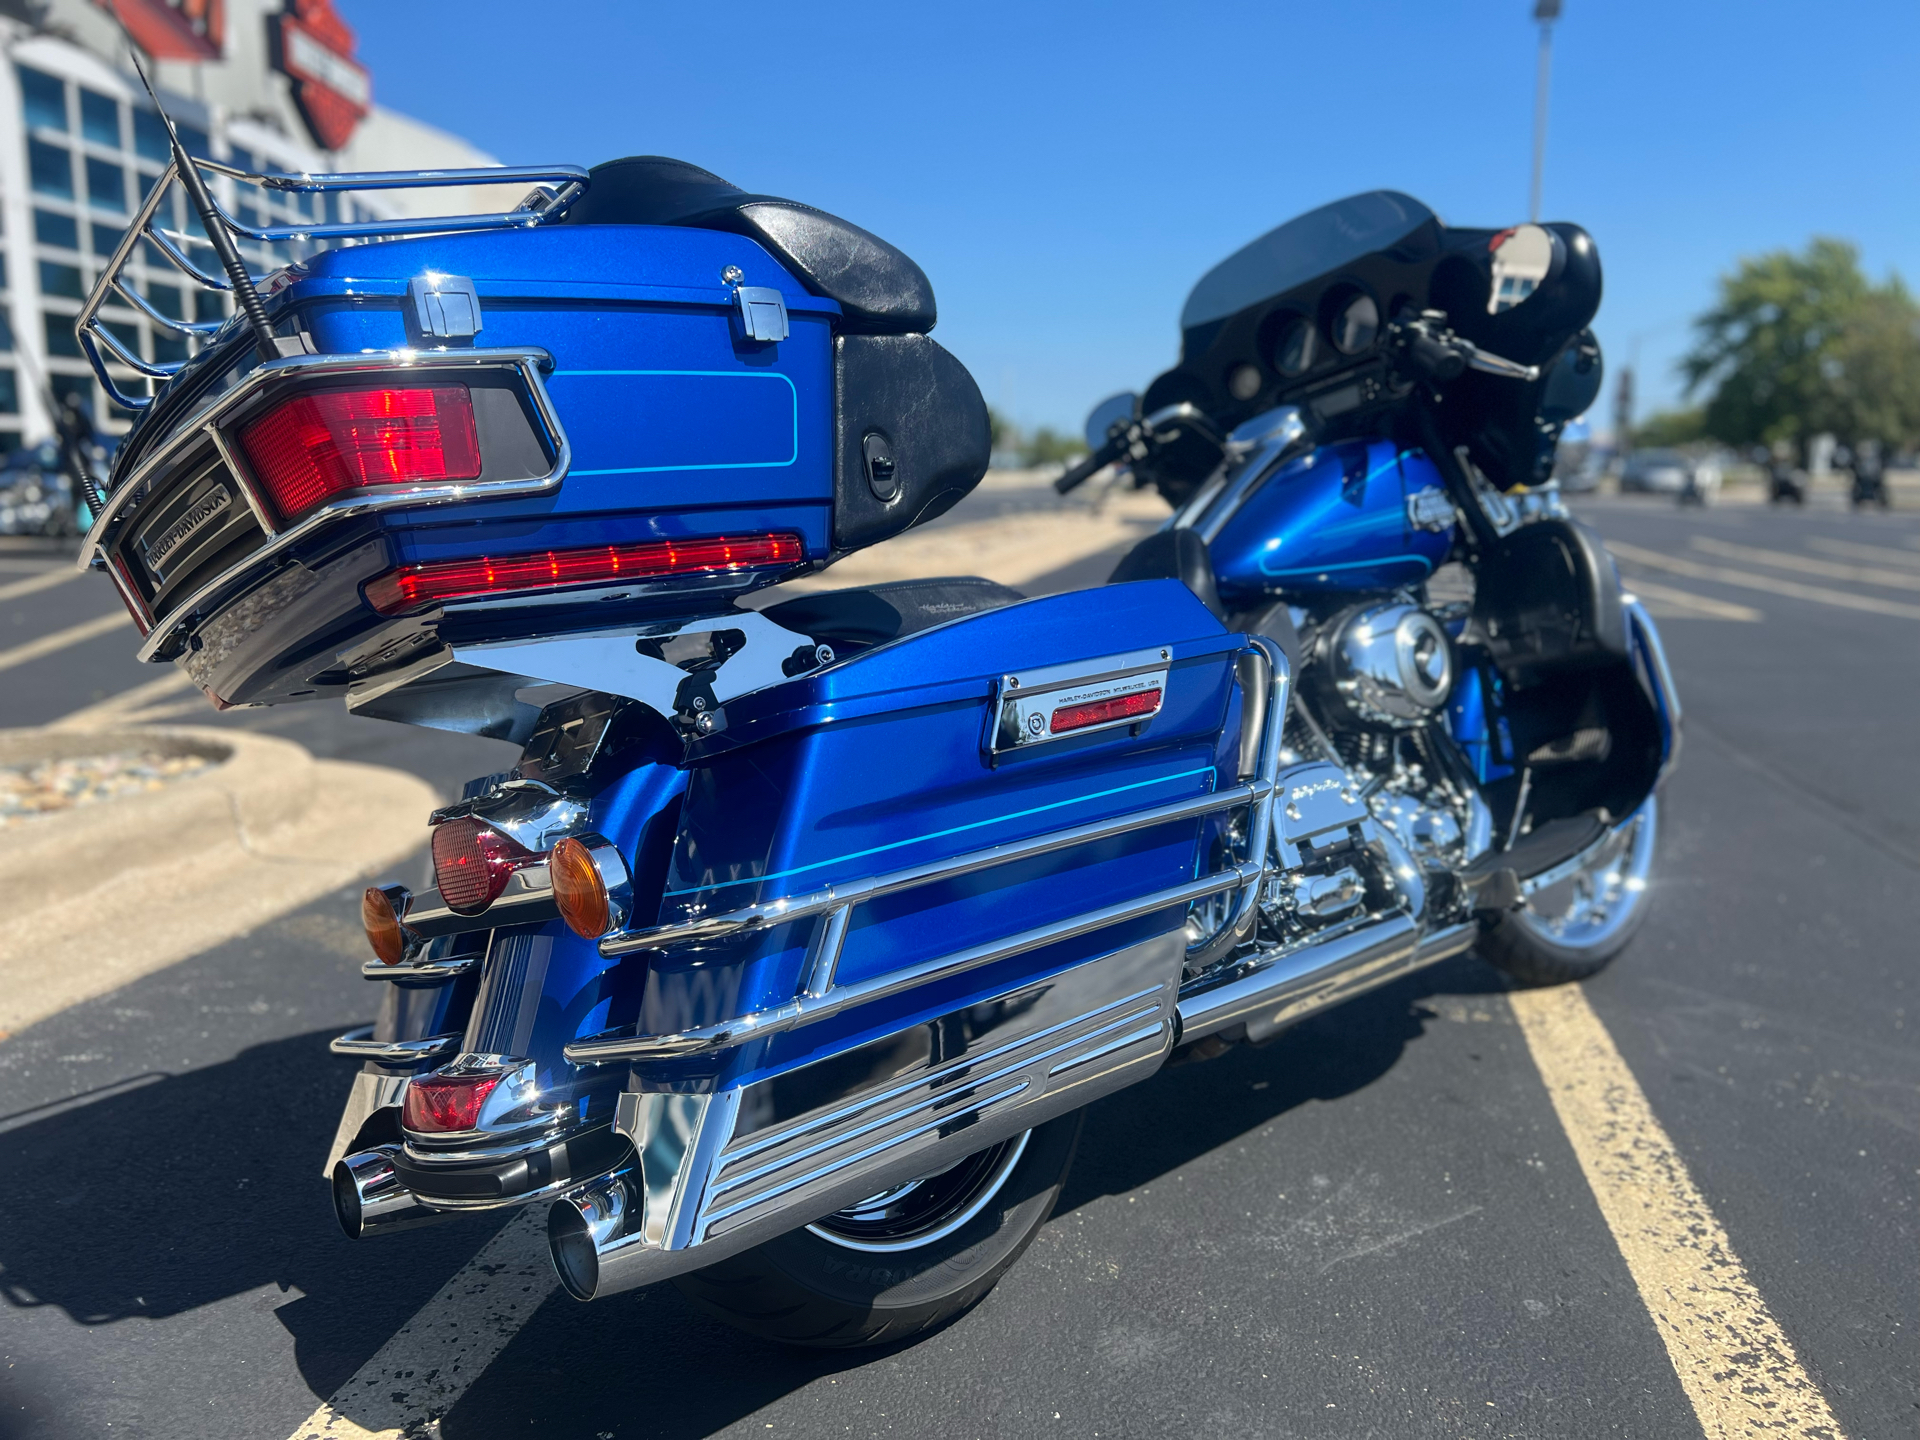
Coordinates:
(1522, 259)
(1114, 410)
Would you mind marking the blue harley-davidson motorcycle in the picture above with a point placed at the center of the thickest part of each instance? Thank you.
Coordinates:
(785, 959)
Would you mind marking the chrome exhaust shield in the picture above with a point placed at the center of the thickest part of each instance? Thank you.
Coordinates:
(369, 1196)
(719, 1173)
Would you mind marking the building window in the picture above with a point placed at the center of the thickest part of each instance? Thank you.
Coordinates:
(60, 337)
(100, 118)
(6, 330)
(78, 386)
(169, 349)
(44, 98)
(150, 136)
(208, 305)
(9, 441)
(3, 269)
(126, 332)
(166, 299)
(106, 185)
(9, 393)
(58, 279)
(51, 168)
(195, 139)
(52, 228)
(106, 237)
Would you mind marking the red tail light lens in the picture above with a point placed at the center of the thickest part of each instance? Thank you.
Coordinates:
(311, 448)
(471, 863)
(1104, 712)
(413, 586)
(436, 1103)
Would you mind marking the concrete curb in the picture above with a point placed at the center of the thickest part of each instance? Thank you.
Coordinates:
(94, 898)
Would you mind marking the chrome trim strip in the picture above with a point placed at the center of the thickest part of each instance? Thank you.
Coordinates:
(621, 1046)
(854, 892)
(1282, 444)
(421, 972)
(359, 1045)
(1662, 675)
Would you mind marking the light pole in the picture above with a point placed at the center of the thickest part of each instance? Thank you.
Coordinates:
(1546, 12)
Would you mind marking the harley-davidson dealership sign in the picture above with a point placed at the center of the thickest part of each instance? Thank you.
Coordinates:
(314, 48)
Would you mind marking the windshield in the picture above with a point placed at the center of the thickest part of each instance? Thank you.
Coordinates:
(1319, 241)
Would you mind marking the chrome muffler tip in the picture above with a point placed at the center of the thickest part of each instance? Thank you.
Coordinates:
(586, 1224)
(370, 1196)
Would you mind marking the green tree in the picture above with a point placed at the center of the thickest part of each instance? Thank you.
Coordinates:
(1666, 428)
(1804, 343)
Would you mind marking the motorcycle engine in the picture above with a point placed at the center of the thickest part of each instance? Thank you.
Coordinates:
(1384, 666)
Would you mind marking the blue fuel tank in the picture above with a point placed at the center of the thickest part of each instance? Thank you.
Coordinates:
(1335, 519)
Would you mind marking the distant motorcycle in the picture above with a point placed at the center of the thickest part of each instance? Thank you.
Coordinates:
(1869, 476)
(786, 955)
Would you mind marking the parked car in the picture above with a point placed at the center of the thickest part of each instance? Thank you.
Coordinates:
(1659, 472)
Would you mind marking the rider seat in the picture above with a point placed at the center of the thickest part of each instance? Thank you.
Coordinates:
(880, 291)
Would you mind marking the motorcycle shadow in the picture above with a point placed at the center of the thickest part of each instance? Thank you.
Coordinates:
(649, 1364)
(174, 1192)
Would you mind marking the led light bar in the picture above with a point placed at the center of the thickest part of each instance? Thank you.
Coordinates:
(429, 582)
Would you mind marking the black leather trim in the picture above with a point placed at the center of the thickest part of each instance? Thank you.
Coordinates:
(879, 289)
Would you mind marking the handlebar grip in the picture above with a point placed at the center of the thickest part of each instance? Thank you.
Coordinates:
(1087, 468)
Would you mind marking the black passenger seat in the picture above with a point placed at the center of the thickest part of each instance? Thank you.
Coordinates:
(875, 614)
(880, 291)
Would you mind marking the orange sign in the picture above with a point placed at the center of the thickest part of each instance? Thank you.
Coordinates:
(314, 48)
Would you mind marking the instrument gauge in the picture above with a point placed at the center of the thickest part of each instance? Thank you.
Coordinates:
(1243, 381)
(1356, 326)
(1295, 352)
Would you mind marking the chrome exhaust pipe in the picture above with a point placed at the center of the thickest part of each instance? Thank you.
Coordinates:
(370, 1196)
(589, 1225)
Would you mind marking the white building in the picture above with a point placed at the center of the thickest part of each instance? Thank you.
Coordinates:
(262, 85)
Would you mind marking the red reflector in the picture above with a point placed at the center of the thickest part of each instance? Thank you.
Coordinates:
(413, 586)
(309, 449)
(452, 1103)
(471, 863)
(1100, 712)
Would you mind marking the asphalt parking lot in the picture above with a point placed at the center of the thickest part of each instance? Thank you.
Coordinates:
(1375, 1225)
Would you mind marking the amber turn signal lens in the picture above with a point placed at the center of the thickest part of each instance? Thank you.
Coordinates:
(382, 924)
(578, 891)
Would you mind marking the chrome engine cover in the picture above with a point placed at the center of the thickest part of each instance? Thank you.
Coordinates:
(1386, 665)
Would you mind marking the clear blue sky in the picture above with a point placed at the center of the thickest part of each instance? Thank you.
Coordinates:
(1064, 173)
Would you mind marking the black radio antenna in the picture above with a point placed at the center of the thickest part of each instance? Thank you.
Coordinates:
(195, 185)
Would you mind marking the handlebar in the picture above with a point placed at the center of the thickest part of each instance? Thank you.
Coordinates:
(1432, 350)
(1078, 475)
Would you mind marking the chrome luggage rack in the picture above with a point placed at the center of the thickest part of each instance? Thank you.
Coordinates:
(556, 188)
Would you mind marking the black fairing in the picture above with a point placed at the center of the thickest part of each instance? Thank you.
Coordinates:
(911, 436)
(880, 291)
(1512, 427)
(1172, 555)
(1546, 600)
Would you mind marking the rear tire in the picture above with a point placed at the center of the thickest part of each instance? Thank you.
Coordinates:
(1573, 929)
(842, 1282)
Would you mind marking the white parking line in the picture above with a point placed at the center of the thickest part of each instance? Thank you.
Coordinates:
(1770, 584)
(1807, 565)
(418, 1375)
(13, 589)
(126, 708)
(61, 639)
(1691, 606)
(1735, 1363)
(1880, 554)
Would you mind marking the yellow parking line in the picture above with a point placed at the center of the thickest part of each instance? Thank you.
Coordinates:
(16, 588)
(61, 639)
(1734, 1362)
(1807, 565)
(1772, 585)
(430, 1362)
